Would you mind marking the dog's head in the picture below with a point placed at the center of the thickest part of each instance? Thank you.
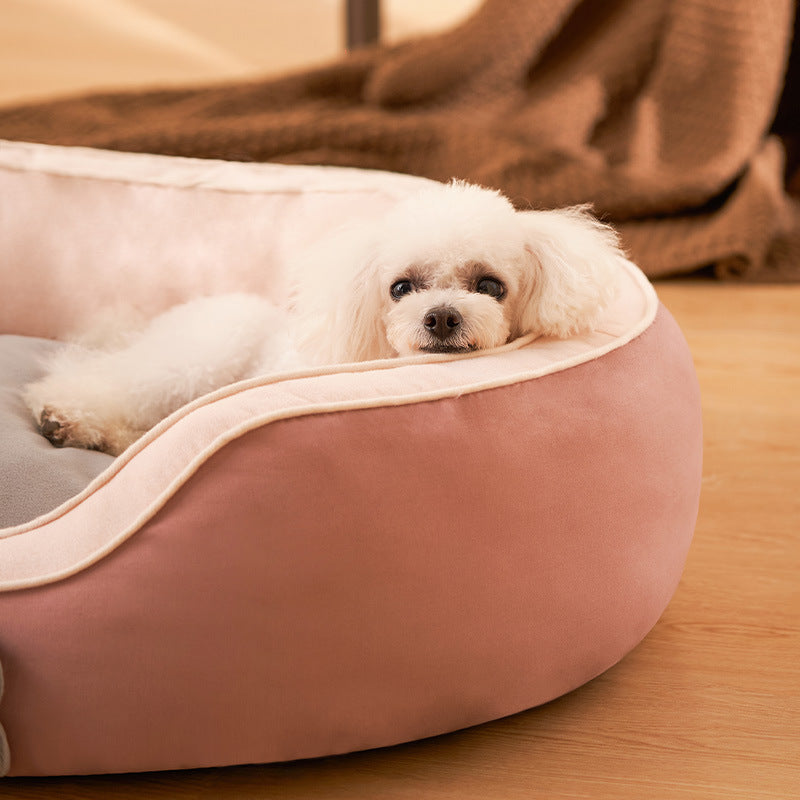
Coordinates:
(455, 268)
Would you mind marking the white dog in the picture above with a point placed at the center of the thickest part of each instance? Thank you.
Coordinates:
(451, 269)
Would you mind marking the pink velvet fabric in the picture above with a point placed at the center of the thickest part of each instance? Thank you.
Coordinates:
(358, 578)
(82, 230)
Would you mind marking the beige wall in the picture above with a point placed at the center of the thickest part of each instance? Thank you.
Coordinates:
(52, 47)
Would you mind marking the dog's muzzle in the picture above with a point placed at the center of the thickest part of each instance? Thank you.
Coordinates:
(444, 325)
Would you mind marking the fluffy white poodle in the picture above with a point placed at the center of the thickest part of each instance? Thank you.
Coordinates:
(451, 269)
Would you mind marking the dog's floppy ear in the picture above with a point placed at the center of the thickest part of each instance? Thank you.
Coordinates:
(338, 298)
(574, 261)
(357, 329)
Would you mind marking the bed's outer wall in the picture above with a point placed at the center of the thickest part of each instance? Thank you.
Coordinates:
(530, 544)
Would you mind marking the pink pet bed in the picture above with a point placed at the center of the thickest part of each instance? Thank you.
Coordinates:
(321, 562)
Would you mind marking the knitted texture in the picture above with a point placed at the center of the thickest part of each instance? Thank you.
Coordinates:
(657, 112)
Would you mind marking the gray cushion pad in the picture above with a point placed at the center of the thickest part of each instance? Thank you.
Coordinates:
(35, 477)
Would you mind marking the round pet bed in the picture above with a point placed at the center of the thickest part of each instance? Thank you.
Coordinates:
(326, 561)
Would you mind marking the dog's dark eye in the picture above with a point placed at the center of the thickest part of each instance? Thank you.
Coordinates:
(490, 286)
(401, 288)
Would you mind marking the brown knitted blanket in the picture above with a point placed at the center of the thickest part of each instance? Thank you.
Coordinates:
(660, 113)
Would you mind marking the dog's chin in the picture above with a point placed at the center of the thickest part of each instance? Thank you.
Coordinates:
(444, 347)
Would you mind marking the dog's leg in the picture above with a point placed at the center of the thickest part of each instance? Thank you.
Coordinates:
(105, 400)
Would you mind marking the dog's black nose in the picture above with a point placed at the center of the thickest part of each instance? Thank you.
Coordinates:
(442, 321)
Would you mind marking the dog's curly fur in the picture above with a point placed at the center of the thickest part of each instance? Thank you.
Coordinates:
(451, 269)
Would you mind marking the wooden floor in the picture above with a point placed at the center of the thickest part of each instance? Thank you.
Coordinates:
(708, 706)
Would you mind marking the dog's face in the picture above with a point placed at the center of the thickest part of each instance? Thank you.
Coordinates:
(452, 271)
(450, 306)
(455, 268)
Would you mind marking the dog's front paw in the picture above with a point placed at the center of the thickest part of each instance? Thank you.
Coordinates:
(61, 431)
(70, 409)
(73, 424)
(55, 430)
